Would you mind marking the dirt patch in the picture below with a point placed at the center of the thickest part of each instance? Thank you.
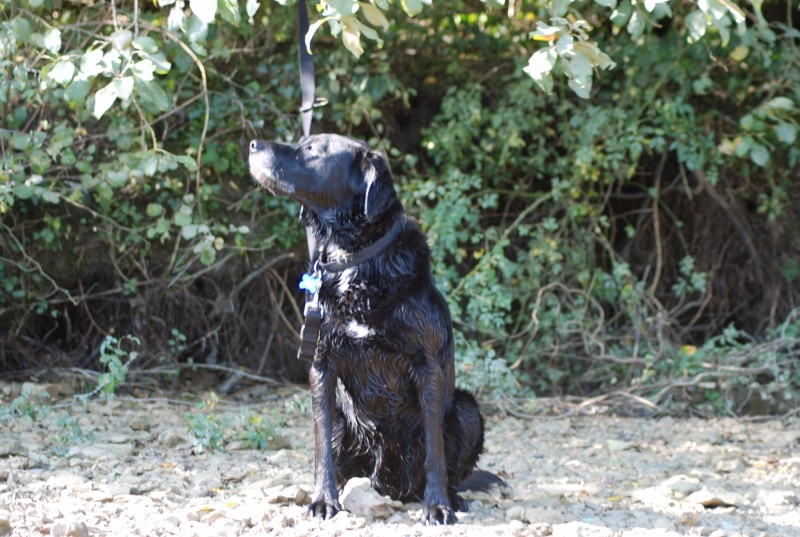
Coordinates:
(128, 467)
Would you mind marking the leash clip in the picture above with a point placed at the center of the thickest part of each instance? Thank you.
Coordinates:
(310, 331)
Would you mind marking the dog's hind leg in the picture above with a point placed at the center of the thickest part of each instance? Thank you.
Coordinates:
(463, 437)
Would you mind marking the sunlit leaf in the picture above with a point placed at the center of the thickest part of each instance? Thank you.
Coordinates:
(411, 7)
(351, 36)
(374, 15)
(52, 40)
(103, 100)
(62, 72)
(251, 8)
(607, 3)
(205, 10)
(121, 39)
(540, 67)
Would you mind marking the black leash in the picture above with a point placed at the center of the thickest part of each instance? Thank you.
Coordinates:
(309, 332)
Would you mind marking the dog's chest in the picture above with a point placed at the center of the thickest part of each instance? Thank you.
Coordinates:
(351, 306)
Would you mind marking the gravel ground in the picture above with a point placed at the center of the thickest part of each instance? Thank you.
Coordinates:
(129, 467)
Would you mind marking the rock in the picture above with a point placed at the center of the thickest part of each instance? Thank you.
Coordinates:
(619, 445)
(360, 499)
(681, 484)
(517, 512)
(96, 451)
(291, 495)
(706, 436)
(580, 529)
(517, 466)
(710, 499)
(67, 528)
(5, 522)
(547, 516)
(541, 529)
(10, 447)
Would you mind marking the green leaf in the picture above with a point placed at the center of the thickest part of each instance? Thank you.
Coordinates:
(24, 192)
(52, 40)
(344, 7)
(636, 24)
(696, 22)
(229, 10)
(49, 196)
(779, 103)
(104, 99)
(759, 154)
(188, 162)
(154, 210)
(182, 219)
(77, 91)
(150, 92)
(145, 44)
(22, 28)
(650, 5)
(369, 32)
(197, 30)
(188, 231)
(786, 132)
(121, 39)
(622, 14)
(607, 3)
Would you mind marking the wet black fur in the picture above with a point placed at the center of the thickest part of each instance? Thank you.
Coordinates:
(385, 404)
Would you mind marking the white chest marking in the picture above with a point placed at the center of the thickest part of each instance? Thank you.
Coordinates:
(360, 331)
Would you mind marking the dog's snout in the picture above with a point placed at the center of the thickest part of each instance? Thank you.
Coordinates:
(256, 145)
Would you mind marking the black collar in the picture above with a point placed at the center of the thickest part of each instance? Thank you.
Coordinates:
(367, 253)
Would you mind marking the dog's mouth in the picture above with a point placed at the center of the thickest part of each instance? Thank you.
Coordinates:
(267, 175)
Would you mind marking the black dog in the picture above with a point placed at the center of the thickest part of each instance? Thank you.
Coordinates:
(383, 382)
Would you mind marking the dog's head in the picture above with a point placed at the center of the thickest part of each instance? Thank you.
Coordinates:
(326, 172)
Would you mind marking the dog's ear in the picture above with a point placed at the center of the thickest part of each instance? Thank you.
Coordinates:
(377, 177)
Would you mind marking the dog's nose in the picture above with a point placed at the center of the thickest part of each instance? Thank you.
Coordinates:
(256, 145)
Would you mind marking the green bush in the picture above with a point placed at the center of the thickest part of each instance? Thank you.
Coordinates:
(601, 236)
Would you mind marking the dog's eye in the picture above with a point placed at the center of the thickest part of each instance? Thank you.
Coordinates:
(310, 148)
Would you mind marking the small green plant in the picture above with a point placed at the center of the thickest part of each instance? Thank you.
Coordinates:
(69, 434)
(207, 425)
(259, 432)
(111, 355)
(27, 404)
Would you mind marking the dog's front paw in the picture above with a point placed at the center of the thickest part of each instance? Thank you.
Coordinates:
(437, 514)
(324, 508)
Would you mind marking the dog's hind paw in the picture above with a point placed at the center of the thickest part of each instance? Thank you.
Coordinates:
(438, 514)
(324, 509)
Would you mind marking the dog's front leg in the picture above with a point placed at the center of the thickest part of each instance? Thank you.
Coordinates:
(323, 397)
(436, 508)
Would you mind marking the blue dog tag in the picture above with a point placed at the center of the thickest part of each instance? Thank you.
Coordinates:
(310, 283)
